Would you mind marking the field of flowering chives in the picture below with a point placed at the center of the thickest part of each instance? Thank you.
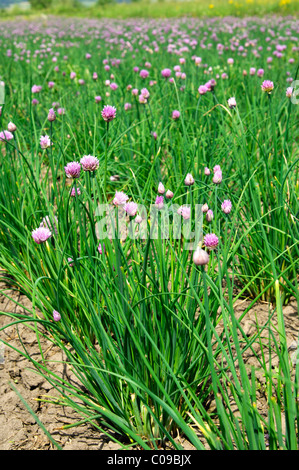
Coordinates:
(148, 182)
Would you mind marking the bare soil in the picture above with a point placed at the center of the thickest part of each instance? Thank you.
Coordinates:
(18, 428)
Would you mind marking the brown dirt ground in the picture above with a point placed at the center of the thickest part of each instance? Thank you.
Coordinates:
(18, 429)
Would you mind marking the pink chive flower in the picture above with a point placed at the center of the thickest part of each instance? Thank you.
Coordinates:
(101, 248)
(72, 75)
(89, 163)
(260, 72)
(73, 192)
(135, 91)
(144, 92)
(70, 261)
(51, 84)
(109, 113)
(200, 257)
(113, 86)
(144, 73)
(56, 315)
(98, 99)
(72, 170)
(166, 73)
(175, 114)
(207, 171)
(142, 99)
(131, 208)
(120, 198)
(217, 178)
(159, 203)
(6, 136)
(45, 142)
(211, 241)
(289, 92)
(226, 206)
(189, 180)
(36, 88)
(41, 234)
(267, 86)
(127, 106)
(51, 115)
(185, 212)
(202, 90)
(169, 194)
(232, 102)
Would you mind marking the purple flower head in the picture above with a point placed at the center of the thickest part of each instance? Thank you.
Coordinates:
(101, 248)
(289, 92)
(267, 86)
(5, 135)
(145, 93)
(51, 115)
(217, 178)
(127, 106)
(175, 114)
(226, 206)
(166, 73)
(113, 86)
(72, 170)
(185, 212)
(120, 198)
(202, 90)
(131, 208)
(98, 99)
(49, 223)
(260, 72)
(144, 73)
(36, 88)
(108, 113)
(56, 315)
(89, 163)
(207, 171)
(41, 234)
(51, 84)
(45, 142)
(211, 241)
(159, 203)
(73, 192)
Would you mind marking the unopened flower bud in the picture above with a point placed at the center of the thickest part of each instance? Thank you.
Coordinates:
(200, 257)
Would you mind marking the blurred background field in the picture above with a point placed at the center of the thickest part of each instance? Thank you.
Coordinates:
(147, 8)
